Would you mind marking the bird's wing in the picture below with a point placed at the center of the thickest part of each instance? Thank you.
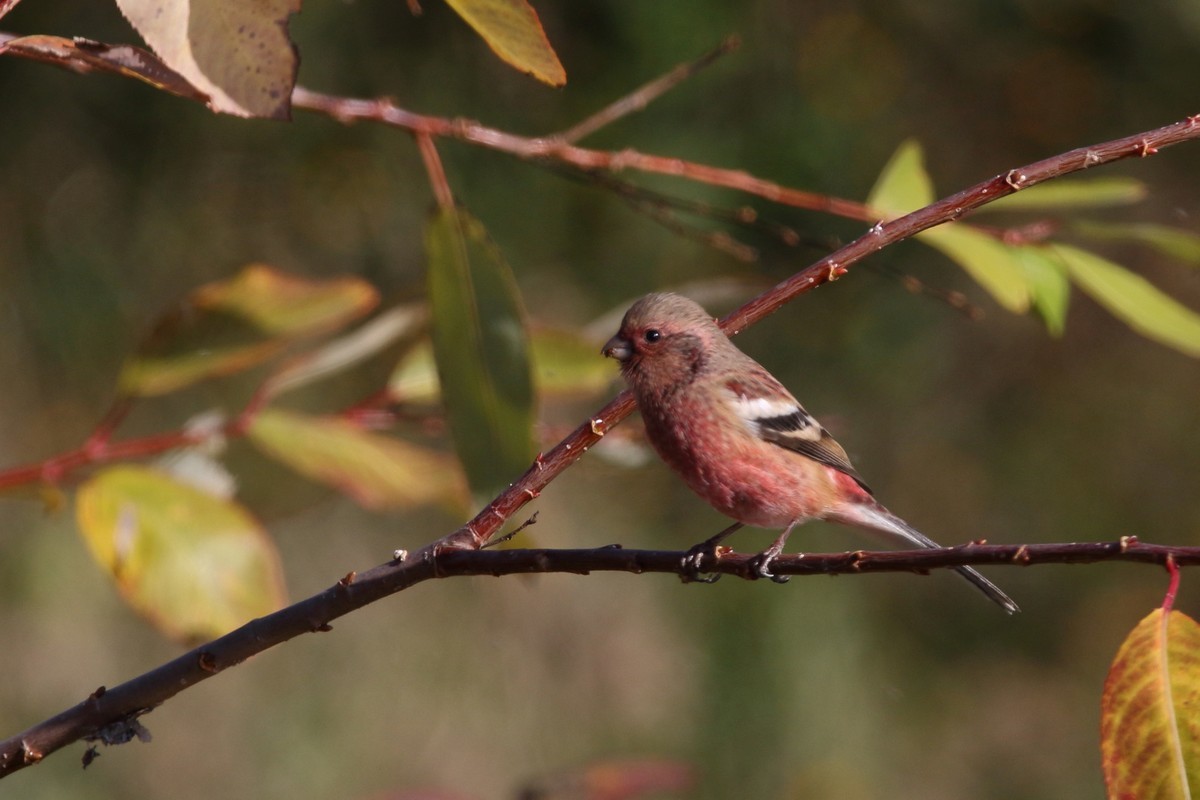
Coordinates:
(772, 414)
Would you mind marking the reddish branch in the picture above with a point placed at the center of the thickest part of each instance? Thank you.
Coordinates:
(558, 149)
(111, 715)
(487, 523)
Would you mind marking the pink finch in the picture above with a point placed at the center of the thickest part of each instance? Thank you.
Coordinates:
(739, 439)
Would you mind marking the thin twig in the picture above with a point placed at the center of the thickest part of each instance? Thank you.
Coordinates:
(644, 95)
(548, 148)
(437, 175)
(744, 217)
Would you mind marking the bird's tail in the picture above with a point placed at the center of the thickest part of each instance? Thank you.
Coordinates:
(875, 517)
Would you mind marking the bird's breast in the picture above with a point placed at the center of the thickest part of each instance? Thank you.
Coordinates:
(746, 478)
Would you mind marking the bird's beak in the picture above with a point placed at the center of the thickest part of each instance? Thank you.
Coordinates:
(618, 348)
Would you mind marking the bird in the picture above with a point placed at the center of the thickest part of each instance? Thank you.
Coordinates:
(740, 440)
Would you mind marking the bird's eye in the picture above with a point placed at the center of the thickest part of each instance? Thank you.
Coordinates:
(652, 335)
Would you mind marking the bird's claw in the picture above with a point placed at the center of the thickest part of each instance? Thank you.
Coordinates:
(760, 566)
(690, 564)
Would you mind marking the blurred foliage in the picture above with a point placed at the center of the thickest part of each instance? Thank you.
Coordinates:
(118, 199)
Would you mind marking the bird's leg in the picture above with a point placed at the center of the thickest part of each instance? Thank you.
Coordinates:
(762, 561)
(695, 556)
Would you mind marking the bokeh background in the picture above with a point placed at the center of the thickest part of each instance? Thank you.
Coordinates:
(116, 199)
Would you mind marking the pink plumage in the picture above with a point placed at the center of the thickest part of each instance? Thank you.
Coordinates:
(738, 438)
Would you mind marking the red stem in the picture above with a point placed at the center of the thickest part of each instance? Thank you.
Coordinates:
(1173, 585)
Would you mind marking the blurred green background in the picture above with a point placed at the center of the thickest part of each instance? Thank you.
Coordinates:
(116, 199)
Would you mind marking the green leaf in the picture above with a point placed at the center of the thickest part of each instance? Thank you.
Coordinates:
(195, 565)
(377, 471)
(514, 32)
(1174, 242)
(1149, 740)
(903, 185)
(993, 264)
(1049, 286)
(1080, 193)
(482, 351)
(1133, 299)
(287, 305)
(237, 53)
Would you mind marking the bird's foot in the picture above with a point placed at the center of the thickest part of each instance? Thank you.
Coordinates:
(761, 567)
(693, 560)
(760, 564)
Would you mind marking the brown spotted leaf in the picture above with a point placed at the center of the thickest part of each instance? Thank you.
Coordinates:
(236, 52)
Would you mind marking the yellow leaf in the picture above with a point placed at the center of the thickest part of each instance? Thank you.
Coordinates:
(195, 565)
(1133, 299)
(148, 376)
(903, 185)
(280, 305)
(377, 471)
(1079, 193)
(283, 304)
(1174, 242)
(415, 380)
(514, 32)
(1150, 711)
(993, 264)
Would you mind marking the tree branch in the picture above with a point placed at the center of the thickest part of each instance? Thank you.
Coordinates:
(111, 715)
(645, 95)
(548, 466)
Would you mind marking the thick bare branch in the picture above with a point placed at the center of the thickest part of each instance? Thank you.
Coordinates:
(122, 705)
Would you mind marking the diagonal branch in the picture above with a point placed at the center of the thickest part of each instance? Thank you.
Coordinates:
(111, 715)
(548, 466)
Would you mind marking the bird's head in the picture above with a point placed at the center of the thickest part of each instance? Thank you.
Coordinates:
(664, 339)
